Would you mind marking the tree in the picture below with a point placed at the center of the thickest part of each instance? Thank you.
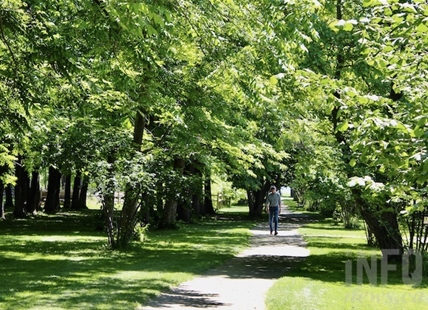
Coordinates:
(351, 76)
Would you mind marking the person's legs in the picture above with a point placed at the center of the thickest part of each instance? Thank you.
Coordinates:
(271, 217)
(276, 219)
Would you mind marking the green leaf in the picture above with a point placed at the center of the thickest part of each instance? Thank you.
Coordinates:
(348, 26)
(422, 28)
(425, 167)
(352, 162)
(273, 80)
(367, 3)
(419, 132)
(363, 100)
(400, 126)
(343, 126)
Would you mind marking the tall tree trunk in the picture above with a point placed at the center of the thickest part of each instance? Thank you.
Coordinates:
(256, 200)
(9, 197)
(184, 211)
(67, 192)
(147, 208)
(54, 184)
(169, 214)
(33, 203)
(198, 196)
(383, 224)
(83, 193)
(132, 192)
(76, 191)
(208, 207)
(3, 170)
(108, 204)
(20, 189)
(185, 207)
(1, 200)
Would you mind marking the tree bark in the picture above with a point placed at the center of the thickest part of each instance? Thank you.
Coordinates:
(67, 192)
(3, 170)
(169, 215)
(184, 211)
(54, 184)
(198, 196)
(208, 207)
(76, 191)
(1, 200)
(384, 226)
(130, 202)
(33, 200)
(9, 197)
(20, 190)
(256, 200)
(108, 204)
(83, 194)
(185, 208)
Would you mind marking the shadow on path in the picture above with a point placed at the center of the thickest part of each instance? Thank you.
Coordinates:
(242, 282)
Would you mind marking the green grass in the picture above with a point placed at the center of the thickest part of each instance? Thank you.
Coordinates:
(234, 209)
(320, 281)
(61, 262)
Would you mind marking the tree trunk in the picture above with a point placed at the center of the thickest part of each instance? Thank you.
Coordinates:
(1, 200)
(184, 211)
(256, 200)
(197, 202)
(381, 222)
(3, 170)
(108, 204)
(33, 203)
(132, 192)
(208, 207)
(76, 191)
(67, 192)
(147, 208)
(20, 190)
(9, 196)
(83, 194)
(54, 184)
(185, 207)
(169, 215)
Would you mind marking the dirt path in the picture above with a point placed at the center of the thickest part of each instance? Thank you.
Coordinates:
(243, 281)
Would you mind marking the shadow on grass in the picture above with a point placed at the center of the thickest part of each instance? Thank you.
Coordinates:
(61, 261)
(79, 273)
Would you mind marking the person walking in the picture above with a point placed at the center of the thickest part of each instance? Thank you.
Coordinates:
(273, 201)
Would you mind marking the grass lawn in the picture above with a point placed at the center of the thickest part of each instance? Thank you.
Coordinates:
(320, 281)
(60, 261)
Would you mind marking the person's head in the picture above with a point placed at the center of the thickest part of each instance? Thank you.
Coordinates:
(273, 189)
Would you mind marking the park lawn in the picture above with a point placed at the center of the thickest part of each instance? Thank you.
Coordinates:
(320, 281)
(61, 262)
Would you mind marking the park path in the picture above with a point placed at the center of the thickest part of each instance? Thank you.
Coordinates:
(242, 282)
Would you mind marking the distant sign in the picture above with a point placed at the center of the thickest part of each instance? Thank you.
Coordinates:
(425, 220)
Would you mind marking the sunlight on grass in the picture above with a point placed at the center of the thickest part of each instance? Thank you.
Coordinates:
(320, 282)
(61, 262)
(303, 293)
(234, 209)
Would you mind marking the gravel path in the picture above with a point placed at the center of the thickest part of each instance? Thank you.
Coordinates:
(242, 282)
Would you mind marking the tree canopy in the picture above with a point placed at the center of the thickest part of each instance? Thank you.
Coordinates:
(150, 98)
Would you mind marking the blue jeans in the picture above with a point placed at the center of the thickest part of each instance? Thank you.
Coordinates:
(273, 217)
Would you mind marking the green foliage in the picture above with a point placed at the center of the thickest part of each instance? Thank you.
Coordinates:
(313, 94)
